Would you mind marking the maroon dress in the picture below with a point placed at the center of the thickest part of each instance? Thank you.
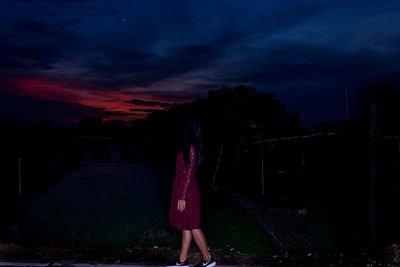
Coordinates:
(185, 187)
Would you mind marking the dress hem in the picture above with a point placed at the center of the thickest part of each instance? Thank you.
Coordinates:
(192, 228)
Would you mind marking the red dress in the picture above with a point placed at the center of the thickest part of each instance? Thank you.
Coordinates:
(185, 187)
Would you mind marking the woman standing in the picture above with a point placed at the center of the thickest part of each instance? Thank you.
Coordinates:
(185, 201)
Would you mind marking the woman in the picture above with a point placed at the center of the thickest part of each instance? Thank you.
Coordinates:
(185, 201)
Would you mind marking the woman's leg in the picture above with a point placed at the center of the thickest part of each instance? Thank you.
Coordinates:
(201, 242)
(186, 241)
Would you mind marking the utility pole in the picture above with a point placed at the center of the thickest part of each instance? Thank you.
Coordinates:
(346, 102)
(372, 217)
(262, 169)
(19, 177)
(216, 168)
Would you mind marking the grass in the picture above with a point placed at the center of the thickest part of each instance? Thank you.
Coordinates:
(229, 227)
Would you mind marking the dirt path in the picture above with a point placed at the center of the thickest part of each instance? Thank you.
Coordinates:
(279, 224)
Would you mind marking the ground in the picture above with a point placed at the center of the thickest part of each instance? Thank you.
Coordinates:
(160, 255)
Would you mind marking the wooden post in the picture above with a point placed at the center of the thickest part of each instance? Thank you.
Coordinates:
(216, 168)
(239, 149)
(302, 162)
(262, 169)
(19, 177)
(347, 102)
(372, 174)
(236, 152)
(398, 153)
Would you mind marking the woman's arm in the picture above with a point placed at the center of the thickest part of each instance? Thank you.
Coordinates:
(188, 174)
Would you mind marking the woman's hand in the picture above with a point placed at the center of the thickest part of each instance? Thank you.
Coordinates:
(181, 205)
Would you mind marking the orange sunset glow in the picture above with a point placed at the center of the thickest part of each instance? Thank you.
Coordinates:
(114, 103)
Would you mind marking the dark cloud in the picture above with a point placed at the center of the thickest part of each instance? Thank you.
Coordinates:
(144, 110)
(32, 26)
(148, 103)
(170, 96)
(58, 112)
(26, 52)
(118, 113)
(7, 63)
(35, 45)
(306, 62)
(26, 57)
(143, 69)
(70, 21)
(54, 32)
(115, 12)
(51, 12)
(54, 1)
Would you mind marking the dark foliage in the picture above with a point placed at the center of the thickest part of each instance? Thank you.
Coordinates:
(227, 115)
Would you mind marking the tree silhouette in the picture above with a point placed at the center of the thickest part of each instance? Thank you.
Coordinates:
(91, 126)
(227, 115)
(242, 107)
(115, 127)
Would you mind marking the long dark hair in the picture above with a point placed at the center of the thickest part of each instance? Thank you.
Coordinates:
(191, 135)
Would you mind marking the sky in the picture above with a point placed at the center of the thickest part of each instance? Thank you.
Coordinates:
(62, 60)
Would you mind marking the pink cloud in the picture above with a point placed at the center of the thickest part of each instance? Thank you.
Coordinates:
(114, 103)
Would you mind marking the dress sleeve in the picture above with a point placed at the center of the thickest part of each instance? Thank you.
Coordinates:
(188, 174)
